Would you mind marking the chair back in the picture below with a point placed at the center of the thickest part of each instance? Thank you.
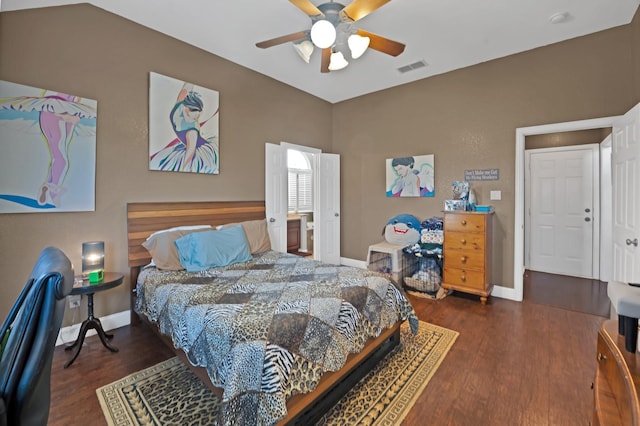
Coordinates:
(28, 338)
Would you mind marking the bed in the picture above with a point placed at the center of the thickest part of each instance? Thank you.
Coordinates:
(241, 336)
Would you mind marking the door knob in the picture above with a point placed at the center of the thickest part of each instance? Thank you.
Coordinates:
(271, 219)
(337, 214)
(633, 242)
(587, 219)
(587, 210)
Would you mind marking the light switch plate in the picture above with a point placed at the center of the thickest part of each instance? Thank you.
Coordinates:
(495, 195)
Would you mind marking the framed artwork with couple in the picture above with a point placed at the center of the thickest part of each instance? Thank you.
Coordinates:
(410, 176)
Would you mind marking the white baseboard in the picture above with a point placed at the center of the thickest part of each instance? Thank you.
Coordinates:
(506, 293)
(352, 262)
(498, 291)
(70, 334)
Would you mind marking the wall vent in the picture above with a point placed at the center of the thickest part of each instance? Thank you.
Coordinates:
(413, 66)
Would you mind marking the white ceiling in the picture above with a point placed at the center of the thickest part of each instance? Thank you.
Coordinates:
(447, 34)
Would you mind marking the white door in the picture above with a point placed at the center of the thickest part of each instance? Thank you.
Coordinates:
(276, 195)
(606, 210)
(625, 171)
(327, 211)
(561, 209)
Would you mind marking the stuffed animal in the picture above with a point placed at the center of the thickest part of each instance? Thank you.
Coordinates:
(402, 230)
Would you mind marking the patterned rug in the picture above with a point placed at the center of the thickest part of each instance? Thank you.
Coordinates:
(169, 393)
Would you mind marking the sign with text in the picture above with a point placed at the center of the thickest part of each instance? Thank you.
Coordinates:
(482, 174)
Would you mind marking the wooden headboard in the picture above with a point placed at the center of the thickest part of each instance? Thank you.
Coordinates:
(143, 219)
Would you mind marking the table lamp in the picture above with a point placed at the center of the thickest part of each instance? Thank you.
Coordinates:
(93, 261)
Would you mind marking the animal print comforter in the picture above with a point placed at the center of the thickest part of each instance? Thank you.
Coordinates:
(268, 328)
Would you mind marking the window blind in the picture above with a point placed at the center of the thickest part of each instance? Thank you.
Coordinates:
(300, 188)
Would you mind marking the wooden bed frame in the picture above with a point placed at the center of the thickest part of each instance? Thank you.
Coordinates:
(143, 219)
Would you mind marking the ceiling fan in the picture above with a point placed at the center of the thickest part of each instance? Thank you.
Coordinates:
(332, 31)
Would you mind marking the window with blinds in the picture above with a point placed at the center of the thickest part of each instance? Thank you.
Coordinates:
(300, 189)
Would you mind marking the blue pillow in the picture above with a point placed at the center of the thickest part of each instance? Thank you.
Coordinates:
(202, 250)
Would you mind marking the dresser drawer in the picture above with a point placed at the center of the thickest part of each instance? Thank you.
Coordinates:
(464, 241)
(464, 277)
(464, 259)
(464, 223)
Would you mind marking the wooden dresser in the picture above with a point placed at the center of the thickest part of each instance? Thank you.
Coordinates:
(468, 252)
(617, 381)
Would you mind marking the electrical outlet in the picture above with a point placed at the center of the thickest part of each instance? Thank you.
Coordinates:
(74, 301)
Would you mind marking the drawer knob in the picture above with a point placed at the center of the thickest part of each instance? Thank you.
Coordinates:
(464, 222)
(602, 357)
(463, 241)
(463, 259)
(463, 278)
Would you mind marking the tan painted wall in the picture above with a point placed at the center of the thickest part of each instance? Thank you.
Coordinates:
(88, 52)
(467, 119)
(635, 30)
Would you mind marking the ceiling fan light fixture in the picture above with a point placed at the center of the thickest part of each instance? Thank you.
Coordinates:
(304, 49)
(358, 45)
(323, 34)
(337, 61)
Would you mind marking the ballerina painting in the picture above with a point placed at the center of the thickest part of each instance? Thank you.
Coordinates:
(183, 126)
(48, 142)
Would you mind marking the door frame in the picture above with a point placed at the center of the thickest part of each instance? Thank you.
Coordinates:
(594, 148)
(516, 293)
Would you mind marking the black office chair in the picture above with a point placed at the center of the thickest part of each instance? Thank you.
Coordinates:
(28, 338)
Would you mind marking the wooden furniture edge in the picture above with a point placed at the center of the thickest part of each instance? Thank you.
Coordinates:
(604, 395)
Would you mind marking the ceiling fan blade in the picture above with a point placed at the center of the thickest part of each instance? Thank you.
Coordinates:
(326, 58)
(358, 9)
(382, 44)
(283, 39)
(307, 7)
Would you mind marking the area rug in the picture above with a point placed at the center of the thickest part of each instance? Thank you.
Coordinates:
(170, 394)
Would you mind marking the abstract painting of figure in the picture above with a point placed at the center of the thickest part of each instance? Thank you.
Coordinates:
(410, 176)
(183, 126)
(48, 142)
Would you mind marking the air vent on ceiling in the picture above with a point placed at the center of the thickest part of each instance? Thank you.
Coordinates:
(413, 66)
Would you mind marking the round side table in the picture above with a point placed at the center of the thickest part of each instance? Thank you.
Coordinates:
(111, 280)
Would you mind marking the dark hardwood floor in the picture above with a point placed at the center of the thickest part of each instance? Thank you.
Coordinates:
(513, 364)
(573, 293)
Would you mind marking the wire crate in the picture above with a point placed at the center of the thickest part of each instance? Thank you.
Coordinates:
(427, 274)
(389, 259)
